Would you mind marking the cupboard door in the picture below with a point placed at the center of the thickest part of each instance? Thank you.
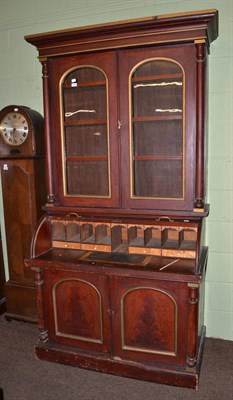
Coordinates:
(77, 307)
(157, 127)
(88, 173)
(149, 319)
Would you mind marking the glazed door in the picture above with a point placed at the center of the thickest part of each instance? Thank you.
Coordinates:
(85, 135)
(158, 126)
(149, 320)
(77, 306)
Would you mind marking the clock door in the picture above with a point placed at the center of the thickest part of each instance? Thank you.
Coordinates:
(158, 134)
(89, 154)
(22, 200)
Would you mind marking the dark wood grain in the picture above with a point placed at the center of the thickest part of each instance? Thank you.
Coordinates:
(2, 281)
(119, 256)
(24, 192)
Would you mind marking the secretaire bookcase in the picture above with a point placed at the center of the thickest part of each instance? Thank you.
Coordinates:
(119, 255)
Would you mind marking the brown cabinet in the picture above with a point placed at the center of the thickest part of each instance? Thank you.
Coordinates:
(119, 255)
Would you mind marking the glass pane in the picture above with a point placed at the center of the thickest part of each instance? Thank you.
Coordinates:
(92, 140)
(157, 130)
(87, 178)
(85, 142)
(162, 178)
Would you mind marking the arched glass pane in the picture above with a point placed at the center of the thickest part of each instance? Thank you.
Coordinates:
(85, 142)
(157, 130)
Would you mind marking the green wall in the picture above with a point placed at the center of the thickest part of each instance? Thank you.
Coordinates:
(20, 83)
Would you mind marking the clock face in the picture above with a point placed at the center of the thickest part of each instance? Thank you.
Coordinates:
(14, 128)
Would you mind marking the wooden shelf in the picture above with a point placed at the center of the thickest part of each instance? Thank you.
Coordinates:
(159, 118)
(77, 85)
(154, 158)
(156, 77)
(86, 122)
(178, 240)
(91, 158)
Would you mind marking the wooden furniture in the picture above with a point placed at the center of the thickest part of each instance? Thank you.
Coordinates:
(119, 256)
(2, 282)
(22, 167)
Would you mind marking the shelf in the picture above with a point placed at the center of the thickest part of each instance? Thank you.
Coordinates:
(76, 85)
(156, 77)
(92, 158)
(159, 118)
(161, 240)
(151, 158)
(86, 122)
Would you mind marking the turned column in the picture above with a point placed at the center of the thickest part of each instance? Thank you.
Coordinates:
(45, 77)
(193, 300)
(200, 124)
(43, 335)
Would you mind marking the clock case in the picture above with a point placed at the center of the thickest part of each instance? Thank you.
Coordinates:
(34, 144)
(22, 171)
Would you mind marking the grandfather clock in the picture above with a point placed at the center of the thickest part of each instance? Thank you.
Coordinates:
(23, 192)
